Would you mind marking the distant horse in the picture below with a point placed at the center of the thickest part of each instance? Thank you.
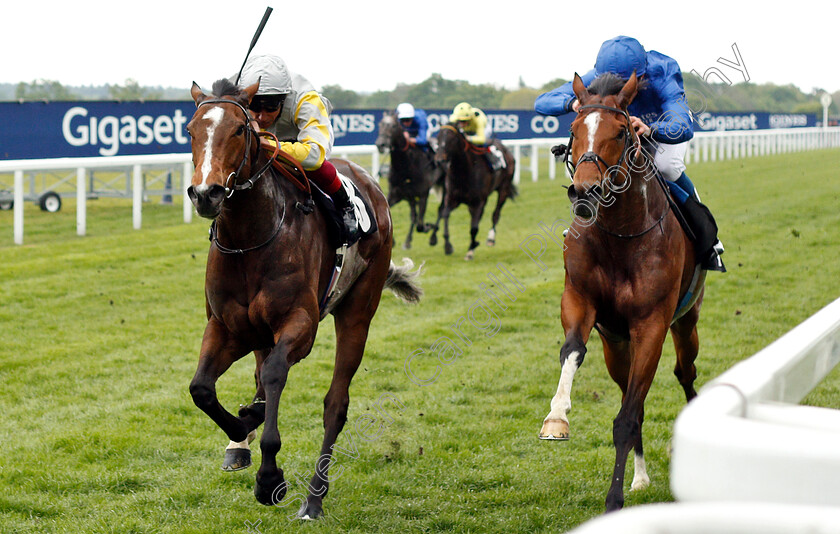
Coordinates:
(631, 271)
(470, 180)
(269, 270)
(411, 175)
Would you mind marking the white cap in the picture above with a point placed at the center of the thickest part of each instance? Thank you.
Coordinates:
(405, 111)
(272, 73)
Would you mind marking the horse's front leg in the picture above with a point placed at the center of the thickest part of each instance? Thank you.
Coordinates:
(422, 202)
(413, 221)
(646, 339)
(578, 318)
(293, 343)
(218, 352)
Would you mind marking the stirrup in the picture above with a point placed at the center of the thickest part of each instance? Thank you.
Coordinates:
(718, 247)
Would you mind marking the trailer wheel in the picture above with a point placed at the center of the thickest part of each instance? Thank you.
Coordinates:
(6, 205)
(50, 202)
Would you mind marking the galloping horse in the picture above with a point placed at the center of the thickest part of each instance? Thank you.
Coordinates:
(470, 180)
(269, 268)
(412, 173)
(631, 271)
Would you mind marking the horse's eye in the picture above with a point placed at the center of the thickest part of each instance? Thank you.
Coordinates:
(240, 130)
(621, 134)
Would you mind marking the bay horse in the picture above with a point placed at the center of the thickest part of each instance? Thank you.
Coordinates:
(411, 175)
(269, 267)
(470, 180)
(631, 271)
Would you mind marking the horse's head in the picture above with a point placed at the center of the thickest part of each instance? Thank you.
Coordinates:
(390, 132)
(601, 137)
(450, 141)
(222, 143)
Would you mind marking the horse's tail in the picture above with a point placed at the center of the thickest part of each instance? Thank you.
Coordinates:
(404, 282)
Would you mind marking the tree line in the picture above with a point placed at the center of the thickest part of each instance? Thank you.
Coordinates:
(437, 92)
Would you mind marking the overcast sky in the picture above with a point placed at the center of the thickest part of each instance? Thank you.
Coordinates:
(368, 45)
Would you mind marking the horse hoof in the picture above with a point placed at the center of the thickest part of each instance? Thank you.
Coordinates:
(470, 256)
(310, 511)
(406, 246)
(236, 460)
(269, 493)
(448, 249)
(491, 242)
(433, 240)
(555, 430)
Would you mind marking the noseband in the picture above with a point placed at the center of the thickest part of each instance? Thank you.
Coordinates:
(231, 184)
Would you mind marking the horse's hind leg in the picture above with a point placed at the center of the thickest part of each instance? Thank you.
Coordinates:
(503, 195)
(352, 321)
(238, 454)
(433, 238)
(476, 211)
(687, 343)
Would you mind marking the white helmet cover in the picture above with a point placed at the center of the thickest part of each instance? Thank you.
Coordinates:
(405, 111)
(272, 73)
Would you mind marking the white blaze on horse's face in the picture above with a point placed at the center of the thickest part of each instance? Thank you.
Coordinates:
(592, 121)
(214, 115)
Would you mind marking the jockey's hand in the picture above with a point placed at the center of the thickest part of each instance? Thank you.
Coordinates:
(407, 138)
(575, 105)
(640, 127)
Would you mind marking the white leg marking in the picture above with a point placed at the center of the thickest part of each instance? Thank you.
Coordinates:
(641, 480)
(214, 115)
(561, 403)
(239, 445)
(591, 121)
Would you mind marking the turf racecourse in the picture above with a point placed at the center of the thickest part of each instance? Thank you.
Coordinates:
(99, 340)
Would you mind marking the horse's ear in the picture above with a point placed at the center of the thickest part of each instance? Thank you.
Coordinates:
(628, 92)
(581, 92)
(251, 90)
(197, 94)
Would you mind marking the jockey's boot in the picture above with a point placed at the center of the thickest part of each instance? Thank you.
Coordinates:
(701, 221)
(348, 215)
(497, 159)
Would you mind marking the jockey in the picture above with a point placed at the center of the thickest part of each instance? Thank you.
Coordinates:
(658, 112)
(476, 128)
(290, 107)
(415, 123)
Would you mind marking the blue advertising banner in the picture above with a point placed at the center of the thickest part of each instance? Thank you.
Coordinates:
(35, 130)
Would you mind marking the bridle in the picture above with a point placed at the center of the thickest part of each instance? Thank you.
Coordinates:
(592, 157)
(631, 141)
(231, 184)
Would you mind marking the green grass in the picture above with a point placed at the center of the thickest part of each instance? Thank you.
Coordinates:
(100, 336)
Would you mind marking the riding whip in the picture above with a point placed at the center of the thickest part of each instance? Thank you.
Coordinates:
(256, 38)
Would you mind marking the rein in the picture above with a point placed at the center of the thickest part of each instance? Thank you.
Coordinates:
(468, 147)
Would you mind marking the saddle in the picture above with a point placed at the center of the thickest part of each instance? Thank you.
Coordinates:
(293, 171)
(335, 224)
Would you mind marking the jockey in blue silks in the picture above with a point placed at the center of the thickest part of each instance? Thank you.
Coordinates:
(415, 123)
(659, 112)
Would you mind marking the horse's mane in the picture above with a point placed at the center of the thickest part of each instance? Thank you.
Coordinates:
(607, 84)
(224, 87)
